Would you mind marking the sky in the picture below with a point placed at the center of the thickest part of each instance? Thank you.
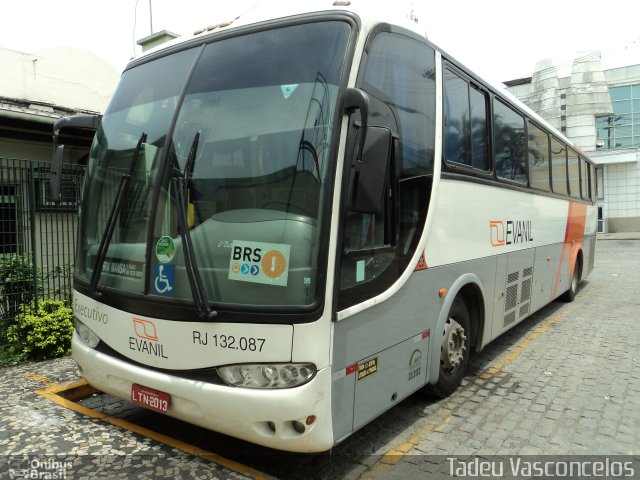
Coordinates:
(498, 39)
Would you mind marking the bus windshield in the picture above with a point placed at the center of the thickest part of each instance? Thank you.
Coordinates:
(256, 113)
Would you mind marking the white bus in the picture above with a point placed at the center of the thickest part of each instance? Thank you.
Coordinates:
(290, 224)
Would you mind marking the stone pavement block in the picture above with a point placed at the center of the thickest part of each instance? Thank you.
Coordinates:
(536, 407)
(553, 414)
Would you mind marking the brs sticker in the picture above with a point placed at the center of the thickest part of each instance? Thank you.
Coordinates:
(258, 262)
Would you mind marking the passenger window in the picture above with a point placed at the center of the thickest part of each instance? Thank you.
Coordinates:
(574, 173)
(584, 178)
(599, 182)
(538, 155)
(509, 143)
(558, 166)
(457, 128)
(465, 123)
(479, 134)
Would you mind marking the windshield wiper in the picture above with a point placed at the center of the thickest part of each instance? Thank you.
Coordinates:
(123, 188)
(180, 184)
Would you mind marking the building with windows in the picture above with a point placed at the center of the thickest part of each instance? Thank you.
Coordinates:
(600, 111)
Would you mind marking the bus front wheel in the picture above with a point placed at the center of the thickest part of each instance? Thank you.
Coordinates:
(454, 350)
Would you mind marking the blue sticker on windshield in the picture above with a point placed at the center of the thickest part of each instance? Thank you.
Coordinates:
(163, 278)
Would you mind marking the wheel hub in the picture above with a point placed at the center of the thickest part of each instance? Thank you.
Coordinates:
(454, 344)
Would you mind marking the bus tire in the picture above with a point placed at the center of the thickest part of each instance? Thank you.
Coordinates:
(454, 351)
(570, 295)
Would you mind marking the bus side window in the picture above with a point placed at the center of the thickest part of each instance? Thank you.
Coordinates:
(509, 141)
(479, 132)
(573, 165)
(457, 136)
(558, 166)
(364, 231)
(584, 179)
(538, 153)
(466, 140)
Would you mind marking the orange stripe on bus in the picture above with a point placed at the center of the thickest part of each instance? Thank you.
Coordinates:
(576, 222)
(573, 238)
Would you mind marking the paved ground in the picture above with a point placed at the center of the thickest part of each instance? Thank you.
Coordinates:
(35, 432)
(565, 382)
(569, 386)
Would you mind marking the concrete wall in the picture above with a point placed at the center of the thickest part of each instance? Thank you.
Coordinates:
(622, 193)
(586, 98)
(544, 97)
(25, 150)
(68, 77)
(623, 75)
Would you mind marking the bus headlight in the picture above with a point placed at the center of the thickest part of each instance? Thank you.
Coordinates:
(281, 375)
(86, 335)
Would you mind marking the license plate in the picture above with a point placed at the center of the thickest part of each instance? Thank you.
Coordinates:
(150, 398)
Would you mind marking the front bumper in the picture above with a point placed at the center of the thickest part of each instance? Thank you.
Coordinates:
(265, 417)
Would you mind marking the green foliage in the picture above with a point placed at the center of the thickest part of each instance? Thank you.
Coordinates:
(43, 333)
(59, 278)
(9, 358)
(16, 284)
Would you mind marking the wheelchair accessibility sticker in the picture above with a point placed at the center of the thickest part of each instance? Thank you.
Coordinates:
(163, 279)
(258, 262)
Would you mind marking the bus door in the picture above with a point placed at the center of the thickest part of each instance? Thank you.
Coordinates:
(378, 245)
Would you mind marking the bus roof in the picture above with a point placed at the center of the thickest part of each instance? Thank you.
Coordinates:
(369, 13)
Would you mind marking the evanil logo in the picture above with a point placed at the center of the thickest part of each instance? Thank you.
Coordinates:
(510, 232)
(145, 329)
(146, 339)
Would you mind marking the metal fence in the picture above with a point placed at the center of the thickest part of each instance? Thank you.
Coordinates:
(37, 238)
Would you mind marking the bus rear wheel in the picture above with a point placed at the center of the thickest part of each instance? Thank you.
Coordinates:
(570, 295)
(454, 350)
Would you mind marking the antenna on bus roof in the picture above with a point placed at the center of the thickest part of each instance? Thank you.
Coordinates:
(412, 16)
(228, 22)
(150, 17)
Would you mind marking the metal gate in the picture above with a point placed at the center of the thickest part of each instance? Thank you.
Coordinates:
(37, 238)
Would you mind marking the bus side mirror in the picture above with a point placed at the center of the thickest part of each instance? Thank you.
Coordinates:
(56, 174)
(85, 122)
(356, 99)
(371, 172)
